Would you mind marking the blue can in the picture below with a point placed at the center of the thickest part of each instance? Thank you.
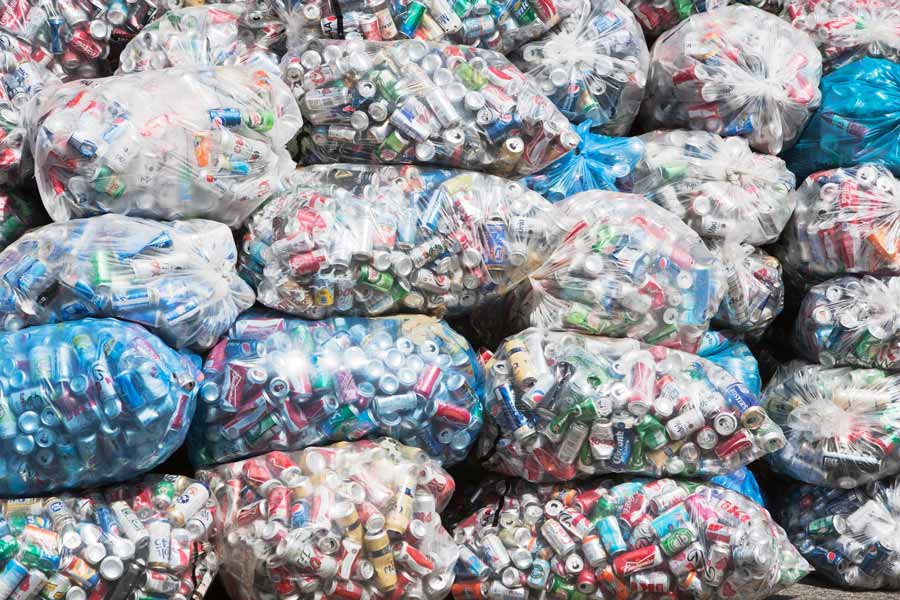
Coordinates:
(611, 535)
(225, 117)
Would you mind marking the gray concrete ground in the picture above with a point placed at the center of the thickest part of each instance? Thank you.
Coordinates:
(815, 589)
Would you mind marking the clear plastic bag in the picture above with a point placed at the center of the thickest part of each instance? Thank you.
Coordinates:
(568, 405)
(82, 38)
(358, 519)
(658, 16)
(716, 185)
(598, 163)
(422, 102)
(623, 267)
(151, 538)
(735, 71)
(743, 482)
(754, 290)
(172, 144)
(89, 403)
(623, 539)
(279, 383)
(841, 424)
(18, 213)
(732, 355)
(847, 31)
(369, 240)
(22, 75)
(856, 123)
(177, 279)
(198, 36)
(593, 66)
(849, 537)
(851, 321)
(845, 221)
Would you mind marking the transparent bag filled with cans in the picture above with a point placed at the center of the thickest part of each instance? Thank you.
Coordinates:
(499, 25)
(598, 163)
(846, 221)
(622, 539)
(359, 519)
(855, 122)
(851, 321)
(593, 66)
(560, 405)
(151, 538)
(277, 383)
(19, 212)
(847, 31)
(90, 402)
(199, 36)
(83, 40)
(728, 352)
(842, 424)
(718, 186)
(848, 536)
(622, 267)
(420, 102)
(173, 144)
(23, 74)
(177, 279)
(370, 240)
(754, 290)
(658, 16)
(736, 71)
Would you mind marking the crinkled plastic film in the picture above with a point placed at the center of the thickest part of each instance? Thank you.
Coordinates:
(599, 163)
(568, 405)
(369, 240)
(737, 71)
(845, 221)
(173, 144)
(153, 537)
(277, 383)
(89, 403)
(732, 355)
(659, 16)
(345, 519)
(624, 539)
(593, 66)
(848, 31)
(743, 482)
(198, 36)
(841, 424)
(177, 279)
(716, 185)
(851, 321)
(421, 102)
(849, 536)
(623, 267)
(856, 123)
(754, 290)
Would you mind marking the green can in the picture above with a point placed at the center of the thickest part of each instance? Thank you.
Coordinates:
(463, 7)
(100, 266)
(470, 78)
(653, 433)
(386, 82)
(106, 181)
(826, 526)
(265, 426)
(321, 381)
(414, 12)
(523, 12)
(677, 540)
(392, 146)
(163, 492)
(636, 460)
(8, 547)
(375, 278)
(263, 120)
(560, 588)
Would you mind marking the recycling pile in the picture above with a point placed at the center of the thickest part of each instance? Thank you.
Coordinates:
(596, 262)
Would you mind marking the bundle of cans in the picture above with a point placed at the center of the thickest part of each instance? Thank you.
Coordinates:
(563, 405)
(754, 292)
(849, 536)
(177, 279)
(736, 71)
(150, 539)
(369, 240)
(170, 144)
(353, 520)
(90, 402)
(612, 539)
(280, 383)
(417, 101)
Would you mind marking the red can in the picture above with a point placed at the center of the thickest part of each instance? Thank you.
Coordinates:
(636, 560)
(256, 473)
(279, 499)
(428, 380)
(734, 445)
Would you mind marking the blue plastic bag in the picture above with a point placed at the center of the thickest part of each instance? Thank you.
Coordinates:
(88, 403)
(283, 383)
(599, 163)
(856, 123)
(741, 481)
(732, 355)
